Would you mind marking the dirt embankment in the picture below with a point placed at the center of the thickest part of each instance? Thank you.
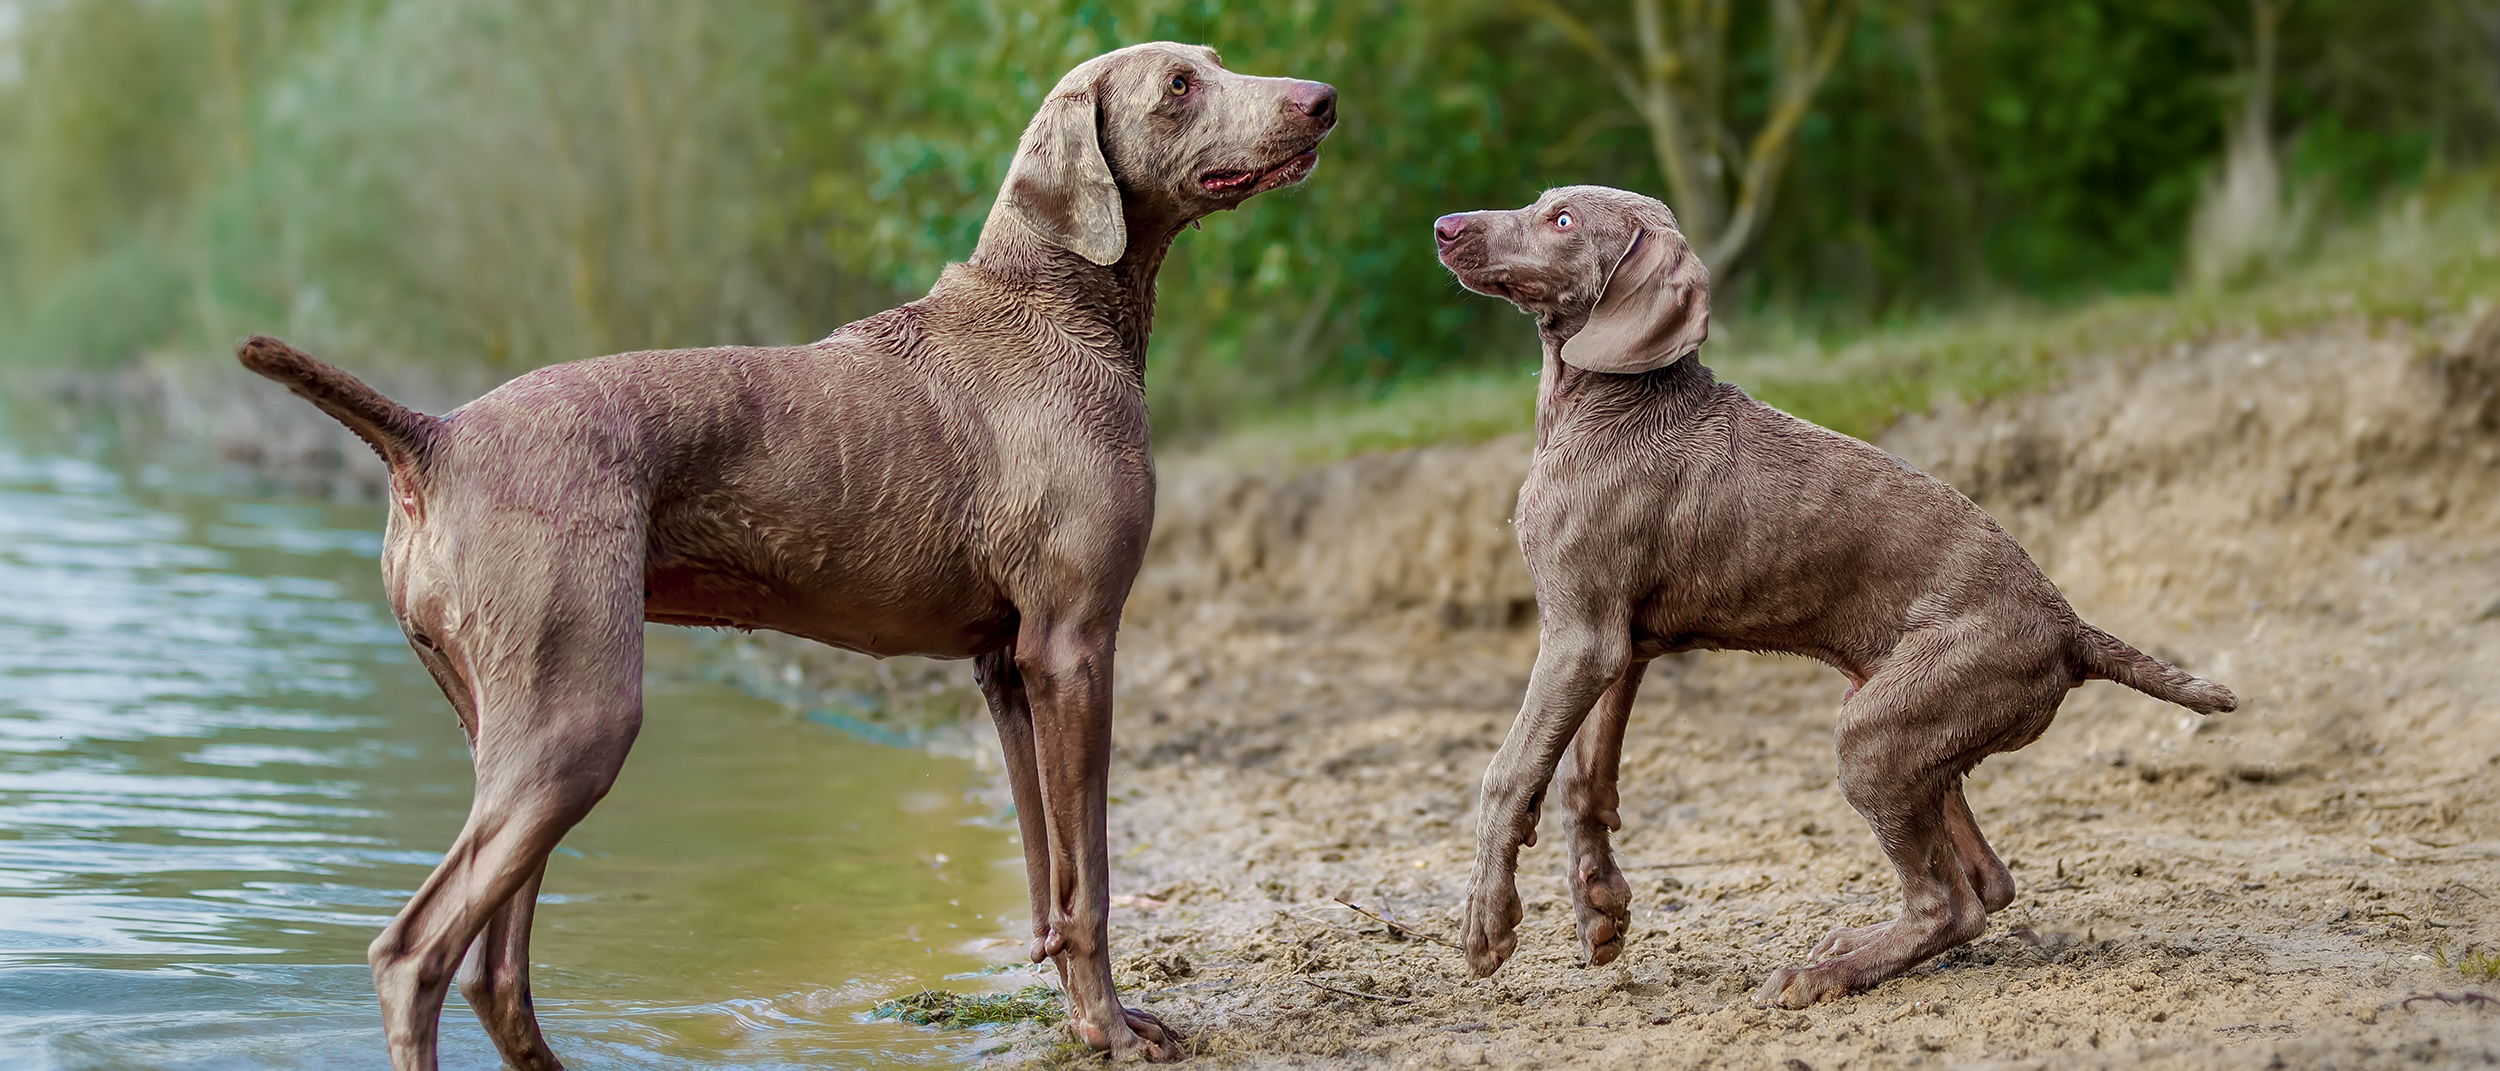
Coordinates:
(1319, 664)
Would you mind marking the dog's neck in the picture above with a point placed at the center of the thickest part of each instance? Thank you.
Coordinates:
(1570, 396)
(1118, 297)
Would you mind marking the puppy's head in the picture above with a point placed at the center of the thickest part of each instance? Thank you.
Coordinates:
(1160, 133)
(1604, 270)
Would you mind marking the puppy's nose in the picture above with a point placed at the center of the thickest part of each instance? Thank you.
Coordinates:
(1315, 99)
(1448, 228)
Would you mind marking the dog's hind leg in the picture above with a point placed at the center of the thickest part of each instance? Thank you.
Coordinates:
(495, 979)
(1600, 897)
(1987, 873)
(1905, 740)
(1012, 711)
(553, 650)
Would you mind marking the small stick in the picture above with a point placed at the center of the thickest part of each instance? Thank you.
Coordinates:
(1694, 862)
(2444, 998)
(1352, 993)
(1396, 928)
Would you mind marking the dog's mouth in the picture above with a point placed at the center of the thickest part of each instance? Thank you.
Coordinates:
(1294, 169)
(1497, 283)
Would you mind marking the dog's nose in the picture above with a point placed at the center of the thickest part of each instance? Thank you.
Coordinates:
(1448, 228)
(1316, 99)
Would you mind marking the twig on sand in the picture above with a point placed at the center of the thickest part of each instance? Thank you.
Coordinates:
(2444, 998)
(1697, 862)
(1353, 993)
(1397, 929)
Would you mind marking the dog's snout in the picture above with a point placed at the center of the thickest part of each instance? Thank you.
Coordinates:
(1318, 100)
(1449, 228)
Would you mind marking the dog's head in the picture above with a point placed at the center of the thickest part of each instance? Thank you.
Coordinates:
(1604, 270)
(1160, 134)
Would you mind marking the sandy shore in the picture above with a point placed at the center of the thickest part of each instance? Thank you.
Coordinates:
(2312, 522)
(1319, 663)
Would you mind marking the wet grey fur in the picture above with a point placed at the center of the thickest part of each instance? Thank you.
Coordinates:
(966, 476)
(1668, 512)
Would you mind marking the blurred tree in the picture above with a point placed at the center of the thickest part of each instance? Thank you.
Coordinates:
(2240, 221)
(515, 183)
(1679, 80)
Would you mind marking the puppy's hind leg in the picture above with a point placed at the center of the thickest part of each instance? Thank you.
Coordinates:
(1601, 899)
(1987, 873)
(1905, 740)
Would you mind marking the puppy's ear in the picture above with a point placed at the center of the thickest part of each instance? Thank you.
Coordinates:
(1061, 186)
(1655, 308)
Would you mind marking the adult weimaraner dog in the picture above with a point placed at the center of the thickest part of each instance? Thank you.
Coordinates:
(1668, 512)
(966, 476)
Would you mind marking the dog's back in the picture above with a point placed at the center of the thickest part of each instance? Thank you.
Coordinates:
(1750, 529)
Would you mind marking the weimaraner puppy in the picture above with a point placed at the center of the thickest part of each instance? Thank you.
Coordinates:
(966, 476)
(1668, 512)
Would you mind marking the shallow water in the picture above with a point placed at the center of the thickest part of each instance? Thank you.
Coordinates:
(221, 770)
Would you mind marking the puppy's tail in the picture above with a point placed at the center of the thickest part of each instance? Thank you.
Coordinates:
(400, 434)
(2106, 657)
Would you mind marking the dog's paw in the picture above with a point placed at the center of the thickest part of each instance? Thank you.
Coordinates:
(1137, 1035)
(1491, 929)
(1801, 987)
(1602, 900)
(1848, 939)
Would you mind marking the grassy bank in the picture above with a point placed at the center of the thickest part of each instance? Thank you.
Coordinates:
(2430, 256)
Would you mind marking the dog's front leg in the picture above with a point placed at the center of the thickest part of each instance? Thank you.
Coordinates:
(1012, 711)
(1577, 659)
(1601, 900)
(1066, 670)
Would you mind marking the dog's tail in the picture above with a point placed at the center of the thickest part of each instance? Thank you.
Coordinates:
(400, 434)
(2106, 657)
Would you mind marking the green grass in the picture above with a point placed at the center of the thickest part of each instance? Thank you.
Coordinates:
(2475, 964)
(958, 1011)
(1466, 406)
(2431, 255)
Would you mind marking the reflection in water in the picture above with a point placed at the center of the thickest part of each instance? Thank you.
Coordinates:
(221, 771)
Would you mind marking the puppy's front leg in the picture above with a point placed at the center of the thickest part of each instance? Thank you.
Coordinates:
(1576, 660)
(1601, 899)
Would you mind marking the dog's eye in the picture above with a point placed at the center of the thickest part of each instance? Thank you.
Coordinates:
(1179, 86)
(1562, 221)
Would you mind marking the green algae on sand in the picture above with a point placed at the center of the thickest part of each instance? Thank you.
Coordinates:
(958, 1011)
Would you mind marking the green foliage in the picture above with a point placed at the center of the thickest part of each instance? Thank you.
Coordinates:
(2432, 255)
(958, 1011)
(516, 183)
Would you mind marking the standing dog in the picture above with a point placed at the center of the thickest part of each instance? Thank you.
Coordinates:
(966, 476)
(1667, 512)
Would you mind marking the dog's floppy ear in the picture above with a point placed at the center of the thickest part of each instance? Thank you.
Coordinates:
(1655, 308)
(1061, 186)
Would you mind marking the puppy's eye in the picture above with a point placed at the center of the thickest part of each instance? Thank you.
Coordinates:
(1178, 86)
(1562, 221)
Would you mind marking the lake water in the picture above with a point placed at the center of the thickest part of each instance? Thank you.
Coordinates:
(221, 770)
